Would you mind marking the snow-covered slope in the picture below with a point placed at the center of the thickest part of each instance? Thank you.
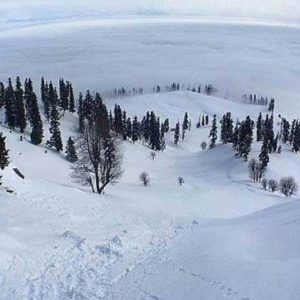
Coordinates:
(59, 241)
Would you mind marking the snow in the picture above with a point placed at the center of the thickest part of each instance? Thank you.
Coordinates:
(218, 236)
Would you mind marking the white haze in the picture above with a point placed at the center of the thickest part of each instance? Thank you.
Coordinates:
(284, 10)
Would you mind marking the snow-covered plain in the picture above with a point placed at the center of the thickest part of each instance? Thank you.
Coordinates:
(218, 237)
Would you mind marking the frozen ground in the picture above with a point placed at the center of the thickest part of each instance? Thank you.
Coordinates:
(217, 237)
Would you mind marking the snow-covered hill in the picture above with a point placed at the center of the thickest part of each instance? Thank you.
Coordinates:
(198, 241)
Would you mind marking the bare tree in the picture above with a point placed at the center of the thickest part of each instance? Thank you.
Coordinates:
(273, 185)
(288, 186)
(144, 178)
(180, 181)
(264, 183)
(203, 145)
(256, 171)
(99, 158)
(153, 154)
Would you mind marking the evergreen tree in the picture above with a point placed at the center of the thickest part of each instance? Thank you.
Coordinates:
(245, 138)
(296, 139)
(118, 119)
(80, 113)
(185, 124)
(4, 162)
(177, 133)
(71, 98)
(33, 113)
(235, 137)
(135, 129)
(213, 133)
(55, 139)
(292, 132)
(71, 154)
(264, 154)
(227, 128)
(10, 111)
(206, 120)
(19, 107)
(63, 93)
(166, 125)
(203, 120)
(285, 131)
(2, 94)
(259, 128)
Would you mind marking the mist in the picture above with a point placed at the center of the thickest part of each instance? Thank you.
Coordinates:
(286, 10)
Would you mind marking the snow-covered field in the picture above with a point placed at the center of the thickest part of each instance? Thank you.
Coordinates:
(219, 236)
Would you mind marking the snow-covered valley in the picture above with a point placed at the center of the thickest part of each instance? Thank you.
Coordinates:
(218, 236)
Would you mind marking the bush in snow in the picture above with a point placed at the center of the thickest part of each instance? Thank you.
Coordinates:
(153, 155)
(180, 181)
(264, 183)
(288, 186)
(203, 145)
(145, 179)
(273, 185)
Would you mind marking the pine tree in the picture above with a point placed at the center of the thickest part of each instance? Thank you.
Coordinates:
(63, 93)
(203, 120)
(10, 111)
(292, 132)
(213, 133)
(135, 129)
(296, 139)
(264, 154)
(71, 154)
(235, 137)
(80, 113)
(118, 119)
(4, 162)
(19, 107)
(33, 113)
(227, 128)
(2, 94)
(206, 120)
(71, 98)
(245, 138)
(177, 133)
(185, 124)
(259, 128)
(55, 139)
(285, 131)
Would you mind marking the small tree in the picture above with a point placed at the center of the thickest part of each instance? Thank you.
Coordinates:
(153, 154)
(288, 186)
(203, 146)
(213, 133)
(273, 185)
(264, 183)
(144, 178)
(71, 151)
(180, 181)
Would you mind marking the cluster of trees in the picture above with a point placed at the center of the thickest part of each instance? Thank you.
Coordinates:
(180, 131)
(203, 121)
(125, 92)
(290, 134)
(4, 159)
(254, 99)
(21, 108)
(63, 98)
